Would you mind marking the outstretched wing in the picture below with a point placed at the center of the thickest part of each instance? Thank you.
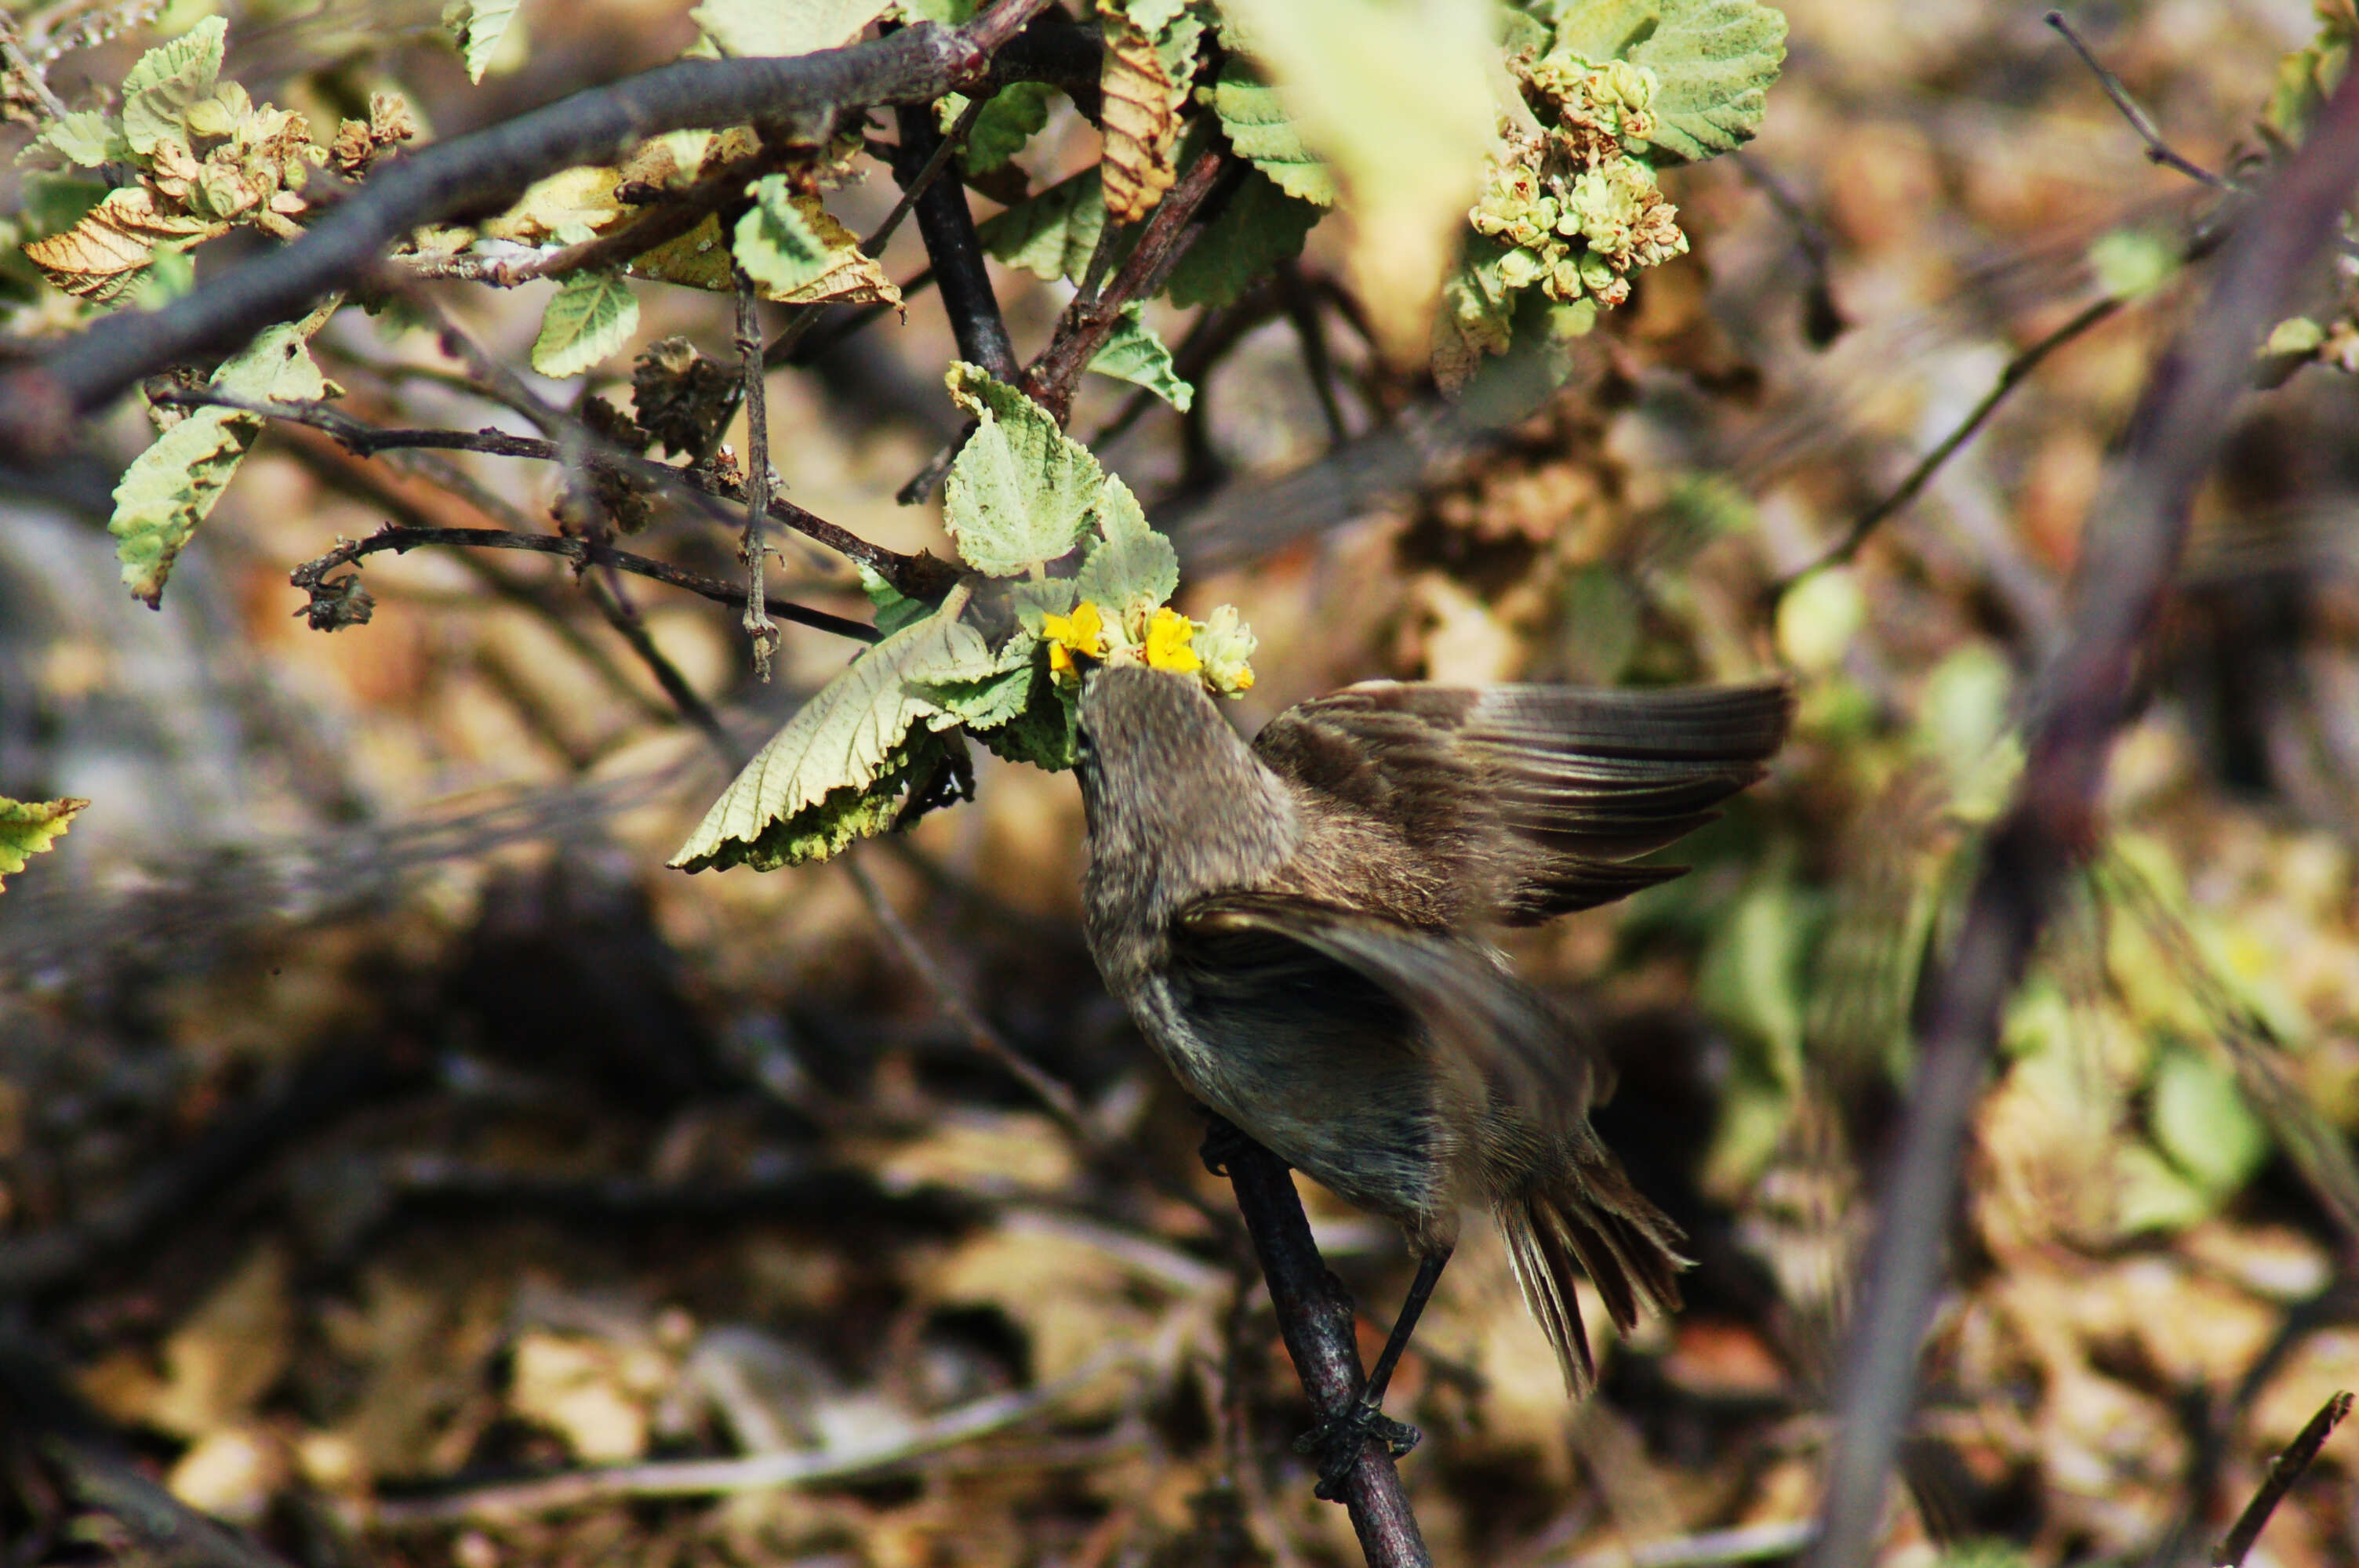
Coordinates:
(1539, 794)
(1303, 967)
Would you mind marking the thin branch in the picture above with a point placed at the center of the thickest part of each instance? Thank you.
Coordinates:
(1315, 1318)
(2157, 149)
(2283, 1471)
(313, 574)
(2131, 548)
(947, 225)
(919, 576)
(1086, 324)
(755, 1473)
(13, 54)
(683, 696)
(41, 405)
(756, 400)
(2018, 369)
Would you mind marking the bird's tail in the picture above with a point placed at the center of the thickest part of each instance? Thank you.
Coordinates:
(1592, 1215)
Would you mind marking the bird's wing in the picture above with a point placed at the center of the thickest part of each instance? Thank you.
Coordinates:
(1502, 1043)
(1548, 789)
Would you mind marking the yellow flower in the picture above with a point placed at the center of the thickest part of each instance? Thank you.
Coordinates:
(1082, 632)
(1168, 637)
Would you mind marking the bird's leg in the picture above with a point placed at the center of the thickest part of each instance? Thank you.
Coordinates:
(1338, 1439)
(1221, 1140)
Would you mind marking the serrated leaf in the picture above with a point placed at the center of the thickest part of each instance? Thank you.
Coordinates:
(845, 750)
(798, 254)
(113, 243)
(894, 609)
(988, 703)
(169, 78)
(1396, 99)
(1260, 129)
(479, 27)
(1021, 490)
(1043, 733)
(1035, 598)
(840, 818)
(593, 315)
(768, 27)
(1260, 227)
(1134, 353)
(1053, 234)
(1141, 121)
(87, 139)
(1712, 61)
(173, 485)
(1154, 16)
(1120, 516)
(30, 826)
(1131, 566)
(1016, 113)
(583, 195)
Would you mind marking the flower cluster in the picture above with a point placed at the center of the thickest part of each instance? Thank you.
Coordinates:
(239, 161)
(1579, 209)
(1217, 649)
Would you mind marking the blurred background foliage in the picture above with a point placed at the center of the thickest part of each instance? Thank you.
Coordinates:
(380, 1126)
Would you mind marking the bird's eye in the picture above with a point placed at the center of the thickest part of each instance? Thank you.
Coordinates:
(1082, 747)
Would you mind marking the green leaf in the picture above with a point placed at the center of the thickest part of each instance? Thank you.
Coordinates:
(1478, 312)
(1021, 492)
(2200, 1120)
(895, 609)
(989, 702)
(1132, 567)
(1053, 234)
(1261, 130)
(593, 314)
(1034, 599)
(1712, 60)
(87, 139)
(1751, 978)
(2132, 263)
(770, 28)
(1134, 353)
(831, 774)
(774, 245)
(30, 826)
(1259, 228)
(480, 27)
(1120, 516)
(173, 485)
(1153, 15)
(1043, 733)
(168, 79)
(1014, 116)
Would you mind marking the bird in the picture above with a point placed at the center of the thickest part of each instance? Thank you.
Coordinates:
(1302, 927)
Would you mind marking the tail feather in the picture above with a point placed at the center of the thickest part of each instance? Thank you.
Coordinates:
(1626, 1246)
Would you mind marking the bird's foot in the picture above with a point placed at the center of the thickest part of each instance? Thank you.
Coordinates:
(1337, 1441)
(1222, 1143)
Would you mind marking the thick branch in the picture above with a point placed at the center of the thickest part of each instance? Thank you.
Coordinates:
(480, 173)
(1315, 1317)
(947, 225)
(2131, 550)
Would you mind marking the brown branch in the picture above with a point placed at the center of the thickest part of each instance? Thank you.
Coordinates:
(1315, 1318)
(2131, 549)
(751, 550)
(2157, 149)
(2283, 1471)
(311, 576)
(40, 405)
(1090, 320)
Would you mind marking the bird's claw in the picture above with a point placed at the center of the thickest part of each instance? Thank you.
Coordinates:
(1222, 1143)
(1337, 1441)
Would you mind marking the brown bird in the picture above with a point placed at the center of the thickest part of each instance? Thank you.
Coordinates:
(1298, 927)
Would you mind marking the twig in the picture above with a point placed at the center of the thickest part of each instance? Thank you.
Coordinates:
(2018, 371)
(683, 696)
(40, 405)
(2131, 549)
(2157, 149)
(755, 1473)
(1310, 329)
(313, 574)
(13, 54)
(947, 225)
(2283, 1471)
(1315, 1317)
(751, 550)
(1712, 1549)
(919, 576)
(1090, 320)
